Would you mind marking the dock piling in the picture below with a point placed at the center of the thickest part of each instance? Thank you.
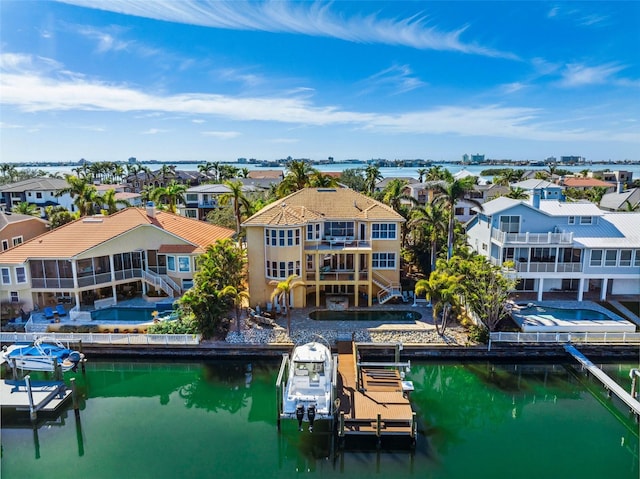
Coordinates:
(32, 410)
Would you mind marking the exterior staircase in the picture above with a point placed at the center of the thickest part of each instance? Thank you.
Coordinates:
(388, 289)
(160, 282)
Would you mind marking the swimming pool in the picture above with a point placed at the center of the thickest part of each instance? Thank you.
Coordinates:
(544, 318)
(123, 314)
(365, 315)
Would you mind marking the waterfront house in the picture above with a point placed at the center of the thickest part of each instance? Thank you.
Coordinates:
(553, 246)
(344, 247)
(41, 192)
(15, 229)
(200, 200)
(96, 260)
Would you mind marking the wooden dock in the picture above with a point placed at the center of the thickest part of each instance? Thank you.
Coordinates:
(373, 400)
(609, 384)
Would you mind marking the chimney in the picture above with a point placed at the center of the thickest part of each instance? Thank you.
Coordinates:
(620, 187)
(535, 199)
(151, 209)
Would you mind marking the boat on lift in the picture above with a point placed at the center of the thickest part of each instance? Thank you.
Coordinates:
(308, 394)
(44, 354)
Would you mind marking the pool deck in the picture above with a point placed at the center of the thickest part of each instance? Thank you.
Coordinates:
(532, 323)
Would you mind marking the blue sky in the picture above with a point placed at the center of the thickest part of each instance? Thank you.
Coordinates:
(215, 81)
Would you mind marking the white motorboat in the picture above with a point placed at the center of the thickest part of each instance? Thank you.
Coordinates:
(42, 355)
(308, 393)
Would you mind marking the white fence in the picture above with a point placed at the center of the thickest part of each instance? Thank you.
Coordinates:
(561, 338)
(114, 339)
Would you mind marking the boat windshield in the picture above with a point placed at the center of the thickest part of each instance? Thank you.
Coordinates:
(308, 368)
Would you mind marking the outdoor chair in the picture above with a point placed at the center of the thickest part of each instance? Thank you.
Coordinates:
(48, 312)
(60, 310)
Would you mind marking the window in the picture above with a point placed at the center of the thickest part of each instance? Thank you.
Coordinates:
(191, 213)
(510, 224)
(171, 263)
(17, 240)
(6, 277)
(625, 257)
(636, 262)
(281, 237)
(290, 269)
(339, 228)
(586, 220)
(283, 271)
(611, 257)
(384, 260)
(187, 284)
(572, 220)
(21, 275)
(297, 233)
(14, 297)
(596, 257)
(289, 237)
(274, 238)
(39, 195)
(313, 232)
(383, 231)
(459, 212)
(5, 244)
(183, 264)
(191, 198)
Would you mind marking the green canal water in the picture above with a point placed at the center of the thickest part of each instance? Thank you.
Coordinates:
(218, 419)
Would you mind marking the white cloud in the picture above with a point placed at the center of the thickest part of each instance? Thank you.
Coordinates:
(307, 18)
(222, 135)
(580, 75)
(397, 78)
(106, 40)
(153, 131)
(198, 120)
(31, 92)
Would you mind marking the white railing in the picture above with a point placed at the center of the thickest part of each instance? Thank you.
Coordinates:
(561, 338)
(158, 282)
(171, 283)
(114, 339)
(532, 238)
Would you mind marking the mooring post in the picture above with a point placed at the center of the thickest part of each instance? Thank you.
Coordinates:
(57, 370)
(80, 351)
(32, 410)
(74, 394)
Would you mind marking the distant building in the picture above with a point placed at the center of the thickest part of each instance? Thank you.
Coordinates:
(41, 192)
(477, 158)
(570, 160)
(620, 176)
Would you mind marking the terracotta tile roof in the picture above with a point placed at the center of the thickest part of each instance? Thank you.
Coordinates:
(313, 204)
(74, 238)
(176, 248)
(271, 174)
(585, 183)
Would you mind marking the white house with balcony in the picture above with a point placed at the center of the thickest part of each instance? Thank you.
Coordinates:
(553, 246)
(200, 200)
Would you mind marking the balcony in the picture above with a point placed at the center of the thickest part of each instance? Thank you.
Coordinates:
(540, 267)
(532, 238)
(341, 275)
(52, 283)
(336, 243)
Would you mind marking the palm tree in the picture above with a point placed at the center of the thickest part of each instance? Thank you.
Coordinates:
(438, 173)
(321, 180)
(595, 194)
(84, 194)
(508, 176)
(371, 176)
(517, 193)
(449, 194)
(205, 168)
(298, 177)
(431, 220)
(282, 292)
(239, 202)
(240, 300)
(108, 199)
(172, 194)
(25, 208)
(421, 174)
(443, 290)
(629, 207)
